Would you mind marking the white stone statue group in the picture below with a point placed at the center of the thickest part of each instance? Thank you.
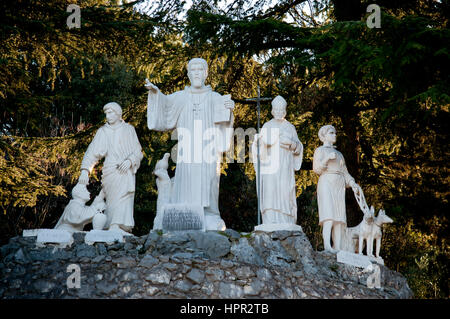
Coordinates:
(203, 120)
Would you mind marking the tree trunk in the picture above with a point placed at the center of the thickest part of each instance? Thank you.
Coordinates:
(349, 10)
(349, 146)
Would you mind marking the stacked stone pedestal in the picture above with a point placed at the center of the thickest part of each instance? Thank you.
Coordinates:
(194, 264)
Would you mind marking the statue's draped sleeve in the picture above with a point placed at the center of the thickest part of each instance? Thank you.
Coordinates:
(318, 166)
(348, 178)
(269, 138)
(163, 111)
(96, 150)
(298, 158)
(134, 149)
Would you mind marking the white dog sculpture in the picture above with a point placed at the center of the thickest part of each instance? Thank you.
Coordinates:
(368, 230)
(164, 185)
(381, 219)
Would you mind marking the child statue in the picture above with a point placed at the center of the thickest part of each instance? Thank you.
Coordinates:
(329, 163)
(76, 214)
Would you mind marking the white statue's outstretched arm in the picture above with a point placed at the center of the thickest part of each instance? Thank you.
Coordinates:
(152, 89)
(96, 151)
(163, 110)
(350, 181)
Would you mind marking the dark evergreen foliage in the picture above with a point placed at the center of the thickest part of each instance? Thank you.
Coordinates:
(386, 90)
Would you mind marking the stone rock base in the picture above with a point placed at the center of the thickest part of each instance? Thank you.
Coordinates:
(278, 227)
(193, 264)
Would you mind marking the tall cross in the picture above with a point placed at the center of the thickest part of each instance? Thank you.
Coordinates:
(258, 100)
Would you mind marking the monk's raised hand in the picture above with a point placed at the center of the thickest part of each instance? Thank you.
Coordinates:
(228, 102)
(297, 148)
(355, 187)
(126, 164)
(151, 87)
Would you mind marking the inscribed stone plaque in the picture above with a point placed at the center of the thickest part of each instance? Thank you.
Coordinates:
(183, 217)
(352, 259)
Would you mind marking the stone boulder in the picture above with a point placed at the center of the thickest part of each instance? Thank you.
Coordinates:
(190, 264)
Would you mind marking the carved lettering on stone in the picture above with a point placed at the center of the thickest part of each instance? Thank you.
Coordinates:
(185, 217)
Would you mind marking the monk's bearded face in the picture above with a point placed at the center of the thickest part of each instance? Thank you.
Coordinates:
(197, 75)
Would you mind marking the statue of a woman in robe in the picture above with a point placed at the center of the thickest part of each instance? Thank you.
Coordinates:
(329, 163)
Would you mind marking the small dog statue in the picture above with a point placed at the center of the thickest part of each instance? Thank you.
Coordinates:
(364, 231)
(164, 185)
(353, 240)
(368, 230)
(381, 219)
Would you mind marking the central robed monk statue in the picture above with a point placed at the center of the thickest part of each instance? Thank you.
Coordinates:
(204, 123)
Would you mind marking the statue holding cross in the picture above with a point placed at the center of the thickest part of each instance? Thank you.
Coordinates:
(258, 101)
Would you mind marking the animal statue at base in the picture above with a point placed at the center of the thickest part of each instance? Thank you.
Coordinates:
(368, 231)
